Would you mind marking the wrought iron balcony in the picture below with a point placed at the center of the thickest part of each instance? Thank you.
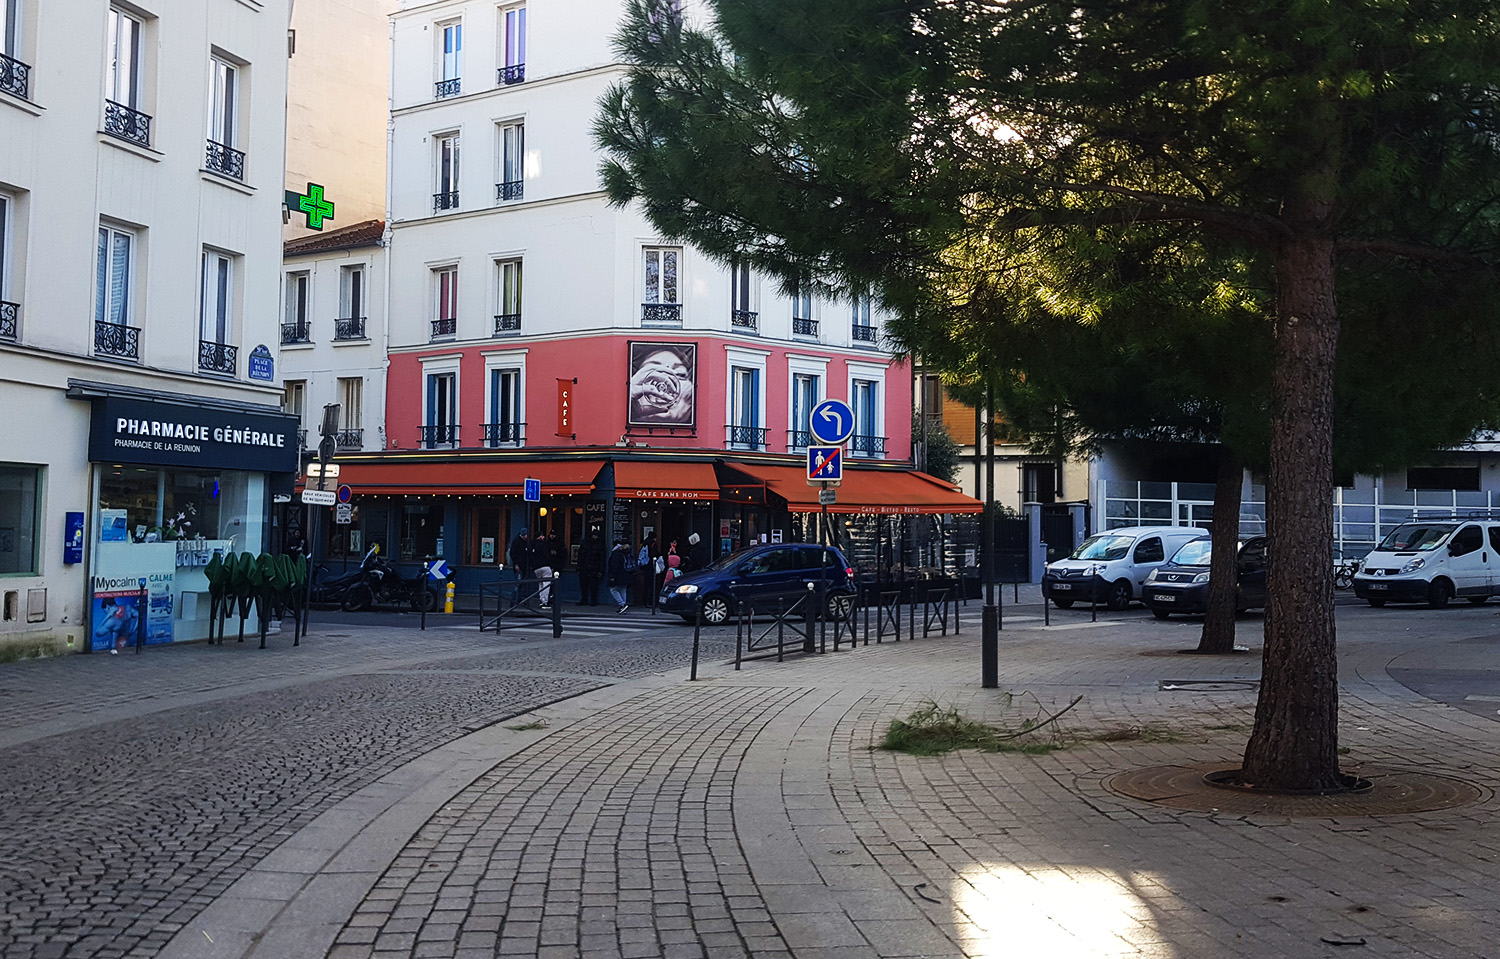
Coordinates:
(9, 314)
(746, 437)
(866, 445)
(224, 160)
(661, 313)
(350, 439)
(510, 190)
(302, 439)
(802, 326)
(349, 328)
(507, 323)
(15, 77)
(798, 439)
(117, 339)
(298, 332)
(862, 334)
(447, 326)
(504, 434)
(445, 201)
(440, 436)
(218, 358)
(448, 88)
(744, 319)
(127, 124)
(515, 73)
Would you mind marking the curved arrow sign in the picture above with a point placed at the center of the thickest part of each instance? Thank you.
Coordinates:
(832, 422)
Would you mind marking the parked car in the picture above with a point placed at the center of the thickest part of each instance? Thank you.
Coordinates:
(1432, 562)
(1181, 586)
(1111, 566)
(766, 578)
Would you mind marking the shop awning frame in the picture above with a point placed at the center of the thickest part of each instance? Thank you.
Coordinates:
(865, 491)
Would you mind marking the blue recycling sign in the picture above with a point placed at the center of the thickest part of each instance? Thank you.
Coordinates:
(531, 490)
(832, 422)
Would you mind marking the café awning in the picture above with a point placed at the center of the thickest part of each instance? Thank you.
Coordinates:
(874, 492)
(475, 477)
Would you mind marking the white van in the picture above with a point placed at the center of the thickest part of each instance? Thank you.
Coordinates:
(1111, 566)
(1432, 561)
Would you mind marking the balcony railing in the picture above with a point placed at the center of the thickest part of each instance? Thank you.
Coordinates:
(224, 160)
(15, 77)
(218, 358)
(746, 437)
(515, 73)
(862, 334)
(447, 326)
(510, 190)
(9, 314)
(448, 88)
(447, 200)
(440, 436)
(802, 326)
(298, 332)
(661, 313)
(744, 319)
(349, 328)
(507, 323)
(127, 124)
(117, 339)
(302, 439)
(798, 439)
(350, 439)
(866, 445)
(504, 434)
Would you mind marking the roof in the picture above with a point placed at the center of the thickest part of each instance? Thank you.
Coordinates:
(367, 233)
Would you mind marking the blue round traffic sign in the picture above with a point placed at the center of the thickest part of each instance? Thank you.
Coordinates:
(345, 493)
(832, 422)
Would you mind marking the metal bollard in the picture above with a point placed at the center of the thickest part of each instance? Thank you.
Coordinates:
(808, 645)
(448, 600)
(989, 650)
(697, 629)
(554, 597)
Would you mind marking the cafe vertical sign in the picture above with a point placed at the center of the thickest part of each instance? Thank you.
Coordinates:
(565, 408)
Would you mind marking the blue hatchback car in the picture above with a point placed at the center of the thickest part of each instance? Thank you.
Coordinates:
(767, 578)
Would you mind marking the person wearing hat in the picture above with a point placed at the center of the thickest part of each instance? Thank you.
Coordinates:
(697, 557)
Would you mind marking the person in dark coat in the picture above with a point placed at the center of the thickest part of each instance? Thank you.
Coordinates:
(592, 560)
(645, 570)
(697, 557)
(541, 567)
(520, 554)
(619, 575)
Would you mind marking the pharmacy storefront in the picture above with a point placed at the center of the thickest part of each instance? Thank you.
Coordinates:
(173, 484)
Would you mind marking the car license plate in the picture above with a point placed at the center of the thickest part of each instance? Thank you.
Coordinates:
(1378, 586)
(1163, 598)
(1064, 587)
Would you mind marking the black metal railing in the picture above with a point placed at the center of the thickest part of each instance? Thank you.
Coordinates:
(798, 439)
(504, 434)
(349, 328)
(744, 319)
(218, 357)
(661, 313)
(302, 439)
(867, 445)
(510, 190)
(444, 327)
(224, 160)
(298, 332)
(507, 322)
(862, 334)
(440, 435)
(515, 73)
(117, 339)
(447, 200)
(350, 439)
(746, 437)
(15, 77)
(9, 314)
(447, 88)
(802, 326)
(127, 124)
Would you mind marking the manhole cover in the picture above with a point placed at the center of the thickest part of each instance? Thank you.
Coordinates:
(1392, 791)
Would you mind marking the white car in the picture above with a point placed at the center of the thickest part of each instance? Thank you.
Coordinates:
(1431, 562)
(1112, 566)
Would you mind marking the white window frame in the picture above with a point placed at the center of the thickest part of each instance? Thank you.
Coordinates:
(870, 373)
(224, 99)
(130, 70)
(295, 389)
(860, 308)
(351, 414)
(450, 63)
(658, 255)
(438, 272)
(513, 28)
(447, 162)
(348, 308)
(440, 366)
(294, 280)
(506, 360)
(7, 205)
(508, 294)
(221, 281)
(10, 28)
(105, 305)
(804, 366)
(747, 359)
(511, 151)
(744, 290)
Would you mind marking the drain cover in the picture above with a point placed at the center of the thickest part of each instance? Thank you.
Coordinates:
(1392, 791)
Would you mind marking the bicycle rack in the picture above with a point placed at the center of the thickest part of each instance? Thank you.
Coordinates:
(936, 613)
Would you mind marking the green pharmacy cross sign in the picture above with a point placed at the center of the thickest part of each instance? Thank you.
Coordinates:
(313, 204)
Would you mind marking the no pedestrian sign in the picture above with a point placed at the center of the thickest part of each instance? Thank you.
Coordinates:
(825, 463)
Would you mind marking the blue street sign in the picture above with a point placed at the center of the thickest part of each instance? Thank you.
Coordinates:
(345, 493)
(832, 422)
(262, 364)
(531, 490)
(825, 463)
(438, 570)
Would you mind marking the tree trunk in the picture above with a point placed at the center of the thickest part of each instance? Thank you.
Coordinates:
(1223, 570)
(1294, 744)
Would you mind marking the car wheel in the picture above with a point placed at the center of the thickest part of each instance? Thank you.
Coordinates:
(1439, 591)
(1062, 603)
(1160, 613)
(423, 600)
(1119, 594)
(715, 611)
(1478, 600)
(356, 598)
(839, 605)
(1377, 603)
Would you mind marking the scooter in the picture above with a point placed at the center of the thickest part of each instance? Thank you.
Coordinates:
(383, 584)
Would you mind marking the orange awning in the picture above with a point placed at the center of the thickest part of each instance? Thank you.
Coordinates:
(480, 477)
(882, 492)
(685, 481)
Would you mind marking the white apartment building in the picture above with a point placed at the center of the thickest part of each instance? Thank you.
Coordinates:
(142, 154)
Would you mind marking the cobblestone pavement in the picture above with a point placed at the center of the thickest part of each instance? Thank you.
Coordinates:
(136, 789)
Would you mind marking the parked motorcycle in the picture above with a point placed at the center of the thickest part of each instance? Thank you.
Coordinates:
(329, 587)
(383, 584)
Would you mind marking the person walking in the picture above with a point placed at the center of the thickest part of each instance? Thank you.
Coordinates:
(645, 569)
(619, 575)
(592, 560)
(697, 557)
(541, 560)
(520, 560)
